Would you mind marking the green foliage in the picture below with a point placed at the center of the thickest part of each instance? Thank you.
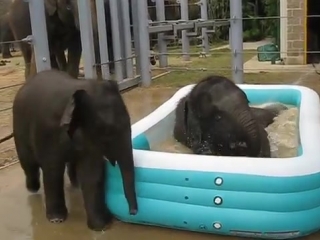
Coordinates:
(254, 29)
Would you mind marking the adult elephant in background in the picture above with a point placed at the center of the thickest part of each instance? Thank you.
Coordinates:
(5, 31)
(87, 122)
(63, 29)
(215, 119)
(6, 35)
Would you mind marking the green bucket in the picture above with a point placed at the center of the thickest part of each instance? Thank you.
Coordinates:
(268, 52)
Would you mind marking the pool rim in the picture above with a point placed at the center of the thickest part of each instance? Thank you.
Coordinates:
(305, 164)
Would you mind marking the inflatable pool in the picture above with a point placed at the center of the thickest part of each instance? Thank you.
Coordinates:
(271, 198)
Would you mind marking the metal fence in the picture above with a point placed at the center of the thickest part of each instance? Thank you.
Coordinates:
(142, 28)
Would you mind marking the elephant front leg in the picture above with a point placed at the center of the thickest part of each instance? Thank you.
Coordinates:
(27, 55)
(91, 173)
(53, 173)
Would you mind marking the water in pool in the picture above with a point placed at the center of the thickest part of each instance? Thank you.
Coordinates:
(283, 136)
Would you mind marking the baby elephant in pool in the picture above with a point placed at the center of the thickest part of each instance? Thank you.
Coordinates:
(58, 120)
(215, 119)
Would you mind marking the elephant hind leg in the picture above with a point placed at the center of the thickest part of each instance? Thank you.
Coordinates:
(6, 51)
(71, 170)
(30, 167)
(27, 55)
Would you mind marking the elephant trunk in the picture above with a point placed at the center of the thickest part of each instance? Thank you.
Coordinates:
(249, 125)
(126, 165)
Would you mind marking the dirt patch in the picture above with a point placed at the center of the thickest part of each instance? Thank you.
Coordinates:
(11, 78)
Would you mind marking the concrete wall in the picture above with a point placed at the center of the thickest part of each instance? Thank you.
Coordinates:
(295, 32)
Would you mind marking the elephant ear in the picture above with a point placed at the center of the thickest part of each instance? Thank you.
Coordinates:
(71, 118)
(51, 6)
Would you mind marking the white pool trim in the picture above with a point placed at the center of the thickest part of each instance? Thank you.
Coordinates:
(306, 164)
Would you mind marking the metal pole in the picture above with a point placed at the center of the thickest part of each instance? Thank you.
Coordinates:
(121, 40)
(185, 39)
(87, 43)
(127, 37)
(39, 35)
(162, 44)
(116, 39)
(103, 42)
(204, 16)
(144, 43)
(136, 42)
(236, 40)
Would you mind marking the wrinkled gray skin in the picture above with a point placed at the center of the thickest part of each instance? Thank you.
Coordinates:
(215, 119)
(74, 122)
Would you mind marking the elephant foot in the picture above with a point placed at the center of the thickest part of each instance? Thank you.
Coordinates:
(99, 222)
(57, 216)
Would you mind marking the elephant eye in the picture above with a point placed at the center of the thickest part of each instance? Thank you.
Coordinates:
(68, 7)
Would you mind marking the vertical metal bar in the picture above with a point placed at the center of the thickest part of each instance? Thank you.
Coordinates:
(121, 39)
(136, 42)
(204, 16)
(39, 34)
(86, 32)
(144, 43)
(162, 44)
(236, 26)
(116, 39)
(185, 39)
(103, 42)
(127, 38)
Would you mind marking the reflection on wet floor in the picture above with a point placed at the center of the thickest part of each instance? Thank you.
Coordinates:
(22, 215)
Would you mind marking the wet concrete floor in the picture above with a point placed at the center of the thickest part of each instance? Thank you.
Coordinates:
(22, 215)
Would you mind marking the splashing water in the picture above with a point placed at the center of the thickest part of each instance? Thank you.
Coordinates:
(283, 136)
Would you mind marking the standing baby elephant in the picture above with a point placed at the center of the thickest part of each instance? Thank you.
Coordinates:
(74, 122)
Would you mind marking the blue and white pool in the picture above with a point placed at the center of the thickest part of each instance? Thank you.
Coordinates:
(276, 198)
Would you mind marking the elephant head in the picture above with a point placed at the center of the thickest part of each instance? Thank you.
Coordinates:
(225, 118)
(97, 119)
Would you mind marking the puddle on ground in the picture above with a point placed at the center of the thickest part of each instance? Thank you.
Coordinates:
(282, 133)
